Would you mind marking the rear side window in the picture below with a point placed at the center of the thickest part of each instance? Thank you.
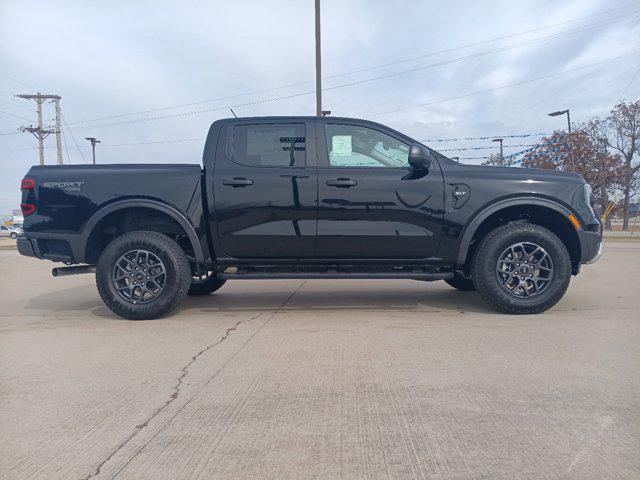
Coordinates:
(269, 145)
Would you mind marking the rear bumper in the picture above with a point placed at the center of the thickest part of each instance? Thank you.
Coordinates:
(25, 247)
(65, 248)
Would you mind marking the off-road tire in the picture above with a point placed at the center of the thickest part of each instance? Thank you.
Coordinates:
(461, 283)
(207, 286)
(485, 278)
(177, 282)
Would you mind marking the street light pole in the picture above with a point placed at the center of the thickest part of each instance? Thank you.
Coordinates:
(93, 142)
(501, 151)
(318, 63)
(562, 112)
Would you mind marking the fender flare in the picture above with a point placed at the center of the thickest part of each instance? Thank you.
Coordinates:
(471, 228)
(182, 220)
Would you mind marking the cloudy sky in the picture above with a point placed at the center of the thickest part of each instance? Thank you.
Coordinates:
(138, 73)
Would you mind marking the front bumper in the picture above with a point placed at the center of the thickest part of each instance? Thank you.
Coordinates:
(590, 245)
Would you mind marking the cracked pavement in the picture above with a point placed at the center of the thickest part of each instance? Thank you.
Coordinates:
(320, 379)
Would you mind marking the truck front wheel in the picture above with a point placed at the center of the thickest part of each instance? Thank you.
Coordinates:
(521, 268)
(142, 275)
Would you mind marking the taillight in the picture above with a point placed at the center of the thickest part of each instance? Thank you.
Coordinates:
(27, 208)
(28, 185)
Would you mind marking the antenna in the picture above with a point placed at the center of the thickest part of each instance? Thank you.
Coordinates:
(234, 113)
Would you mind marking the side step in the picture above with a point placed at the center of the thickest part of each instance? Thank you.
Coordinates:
(337, 275)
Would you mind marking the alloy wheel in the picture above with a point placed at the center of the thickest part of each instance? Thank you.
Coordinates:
(139, 276)
(524, 270)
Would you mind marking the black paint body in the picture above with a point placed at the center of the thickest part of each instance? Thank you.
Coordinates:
(236, 214)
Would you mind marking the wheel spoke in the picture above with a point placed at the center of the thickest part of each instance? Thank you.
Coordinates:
(139, 276)
(524, 269)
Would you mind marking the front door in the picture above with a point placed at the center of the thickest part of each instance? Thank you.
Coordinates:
(265, 190)
(371, 204)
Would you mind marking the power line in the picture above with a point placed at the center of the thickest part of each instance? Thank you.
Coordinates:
(179, 140)
(73, 137)
(66, 145)
(572, 86)
(629, 84)
(486, 137)
(14, 115)
(489, 90)
(17, 81)
(495, 39)
(493, 147)
(526, 43)
(198, 112)
(460, 59)
(269, 100)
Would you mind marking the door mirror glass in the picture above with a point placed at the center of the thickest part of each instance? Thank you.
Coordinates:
(419, 158)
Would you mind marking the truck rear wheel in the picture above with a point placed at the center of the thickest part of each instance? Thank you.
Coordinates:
(205, 284)
(142, 275)
(521, 268)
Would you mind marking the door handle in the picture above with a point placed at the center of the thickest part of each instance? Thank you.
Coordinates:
(342, 183)
(237, 182)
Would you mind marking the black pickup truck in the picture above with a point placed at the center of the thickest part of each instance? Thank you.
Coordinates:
(307, 197)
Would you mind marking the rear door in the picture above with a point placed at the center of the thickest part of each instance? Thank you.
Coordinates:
(371, 204)
(265, 189)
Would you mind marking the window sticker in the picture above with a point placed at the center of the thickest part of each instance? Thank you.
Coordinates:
(341, 146)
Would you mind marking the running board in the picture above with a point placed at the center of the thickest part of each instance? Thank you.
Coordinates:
(429, 277)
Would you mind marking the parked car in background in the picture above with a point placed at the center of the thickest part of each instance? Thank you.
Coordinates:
(14, 233)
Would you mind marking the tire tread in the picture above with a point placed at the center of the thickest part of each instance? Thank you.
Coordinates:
(503, 303)
(164, 304)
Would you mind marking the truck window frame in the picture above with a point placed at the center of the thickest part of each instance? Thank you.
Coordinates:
(230, 139)
(323, 152)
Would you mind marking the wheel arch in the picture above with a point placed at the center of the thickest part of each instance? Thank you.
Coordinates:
(545, 212)
(155, 205)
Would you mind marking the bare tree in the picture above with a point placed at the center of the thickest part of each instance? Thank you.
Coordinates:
(602, 169)
(624, 137)
(551, 154)
(591, 158)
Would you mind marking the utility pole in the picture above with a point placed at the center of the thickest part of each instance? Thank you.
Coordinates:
(93, 146)
(58, 131)
(41, 133)
(562, 112)
(318, 63)
(501, 151)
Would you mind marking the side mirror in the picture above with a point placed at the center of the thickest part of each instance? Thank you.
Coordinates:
(419, 158)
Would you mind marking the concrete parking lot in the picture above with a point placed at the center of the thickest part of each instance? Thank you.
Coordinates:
(321, 379)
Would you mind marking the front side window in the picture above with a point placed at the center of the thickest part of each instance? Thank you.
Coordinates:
(269, 145)
(355, 146)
